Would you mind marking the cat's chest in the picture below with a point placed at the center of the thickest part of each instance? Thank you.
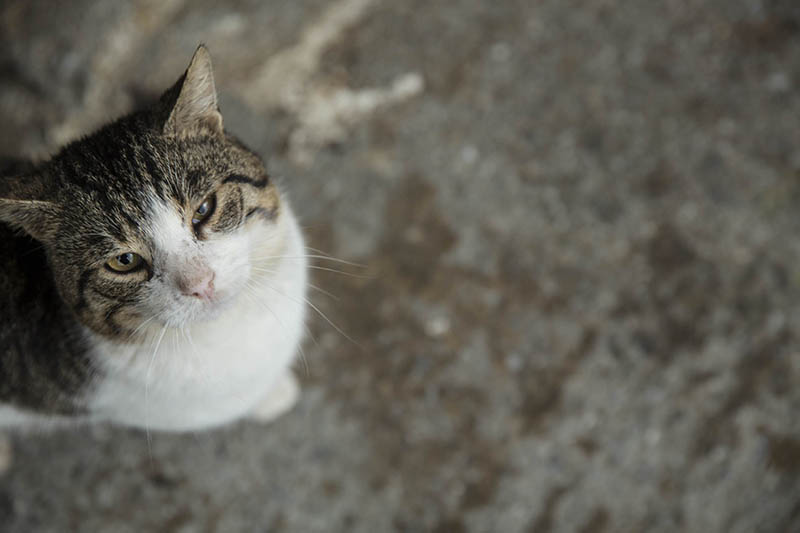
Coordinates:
(210, 373)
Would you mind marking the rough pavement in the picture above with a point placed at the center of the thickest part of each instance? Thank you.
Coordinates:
(580, 305)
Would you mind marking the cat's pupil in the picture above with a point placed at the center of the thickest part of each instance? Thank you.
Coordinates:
(204, 211)
(126, 259)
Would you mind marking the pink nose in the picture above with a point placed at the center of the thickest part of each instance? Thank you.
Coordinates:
(199, 285)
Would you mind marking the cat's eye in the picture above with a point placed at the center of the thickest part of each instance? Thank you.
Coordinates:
(204, 210)
(124, 263)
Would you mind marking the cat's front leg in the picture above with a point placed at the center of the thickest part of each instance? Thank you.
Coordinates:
(280, 399)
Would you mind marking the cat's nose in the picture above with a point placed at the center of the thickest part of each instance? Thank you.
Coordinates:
(199, 285)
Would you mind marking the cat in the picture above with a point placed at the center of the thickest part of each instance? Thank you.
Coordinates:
(152, 275)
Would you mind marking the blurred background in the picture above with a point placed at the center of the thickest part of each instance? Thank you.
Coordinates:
(581, 291)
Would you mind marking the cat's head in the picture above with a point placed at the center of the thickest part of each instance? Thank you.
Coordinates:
(159, 216)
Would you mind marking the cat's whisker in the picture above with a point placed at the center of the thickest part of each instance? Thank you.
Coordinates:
(174, 342)
(312, 256)
(310, 285)
(147, 391)
(195, 355)
(342, 272)
(315, 267)
(323, 291)
(327, 255)
(305, 327)
(188, 337)
(254, 298)
(318, 251)
(315, 308)
(303, 356)
(140, 326)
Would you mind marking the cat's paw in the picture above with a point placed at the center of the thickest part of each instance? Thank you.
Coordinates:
(6, 454)
(281, 397)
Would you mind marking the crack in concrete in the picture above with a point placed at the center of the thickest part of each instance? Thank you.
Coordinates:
(288, 80)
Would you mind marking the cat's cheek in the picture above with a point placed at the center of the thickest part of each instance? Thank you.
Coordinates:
(268, 241)
(228, 258)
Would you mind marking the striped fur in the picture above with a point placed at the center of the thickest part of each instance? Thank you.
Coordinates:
(132, 186)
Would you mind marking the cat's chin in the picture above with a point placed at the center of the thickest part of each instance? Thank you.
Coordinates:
(200, 312)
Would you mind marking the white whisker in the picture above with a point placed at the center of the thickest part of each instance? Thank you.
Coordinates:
(315, 267)
(147, 391)
(315, 308)
(140, 326)
(323, 291)
(253, 297)
(310, 285)
(349, 263)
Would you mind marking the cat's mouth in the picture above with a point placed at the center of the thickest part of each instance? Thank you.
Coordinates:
(212, 308)
(187, 311)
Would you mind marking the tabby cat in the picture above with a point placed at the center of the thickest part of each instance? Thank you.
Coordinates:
(151, 275)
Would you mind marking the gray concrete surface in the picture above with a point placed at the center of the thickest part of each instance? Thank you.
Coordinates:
(579, 219)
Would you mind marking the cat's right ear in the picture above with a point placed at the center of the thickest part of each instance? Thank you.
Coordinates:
(192, 101)
(23, 206)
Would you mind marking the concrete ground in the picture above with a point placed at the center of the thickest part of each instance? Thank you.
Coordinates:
(579, 221)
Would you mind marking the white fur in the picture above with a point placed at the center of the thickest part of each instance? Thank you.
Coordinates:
(281, 397)
(215, 371)
(179, 254)
(204, 364)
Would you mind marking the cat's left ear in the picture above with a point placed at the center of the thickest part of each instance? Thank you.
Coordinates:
(195, 109)
(23, 205)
